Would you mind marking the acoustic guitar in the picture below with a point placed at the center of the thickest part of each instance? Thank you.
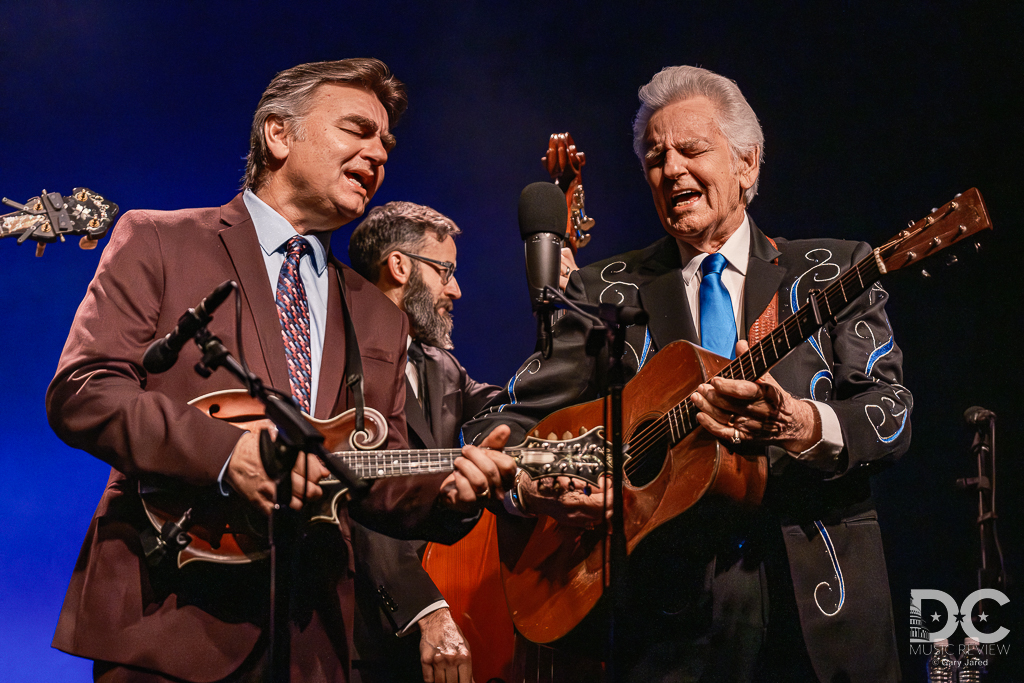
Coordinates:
(554, 575)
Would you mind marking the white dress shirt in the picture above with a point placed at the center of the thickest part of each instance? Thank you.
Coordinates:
(736, 251)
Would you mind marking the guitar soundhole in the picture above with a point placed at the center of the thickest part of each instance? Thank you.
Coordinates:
(646, 453)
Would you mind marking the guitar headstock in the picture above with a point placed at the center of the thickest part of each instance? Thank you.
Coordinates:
(565, 165)
(580, 458)
(949, 224)
(51, 217)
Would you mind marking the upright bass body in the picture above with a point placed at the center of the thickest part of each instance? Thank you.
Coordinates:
(554, 575)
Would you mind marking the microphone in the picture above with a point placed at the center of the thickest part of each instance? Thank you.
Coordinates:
(542, 218)
(543, 215)
(977, 417)
(162, 354)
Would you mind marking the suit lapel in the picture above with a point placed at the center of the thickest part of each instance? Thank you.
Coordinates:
(435, 391)
(763, 276)
(414, 418)
(663, 296)
(332, 364)
(243, 247)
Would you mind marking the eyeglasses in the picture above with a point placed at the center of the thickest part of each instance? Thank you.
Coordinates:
(447, 268)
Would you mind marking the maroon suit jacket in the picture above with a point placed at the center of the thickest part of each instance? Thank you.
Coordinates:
(201, 623)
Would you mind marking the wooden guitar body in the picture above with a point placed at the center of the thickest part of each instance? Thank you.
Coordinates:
(554, 575)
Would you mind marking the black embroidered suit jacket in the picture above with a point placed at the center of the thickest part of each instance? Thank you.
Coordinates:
(827, 519)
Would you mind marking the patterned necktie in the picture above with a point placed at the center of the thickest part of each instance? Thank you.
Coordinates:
(717, 321)
(293, 310)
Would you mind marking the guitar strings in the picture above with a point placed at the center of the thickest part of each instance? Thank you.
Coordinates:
(747, 361)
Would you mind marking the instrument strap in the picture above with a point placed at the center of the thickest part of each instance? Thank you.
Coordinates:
(353, 360)
(769, 318)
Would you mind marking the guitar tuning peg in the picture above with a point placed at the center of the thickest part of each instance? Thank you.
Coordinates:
(925, 274)
(87, 243)
(40, 248)
(952, 260)
(977, 247)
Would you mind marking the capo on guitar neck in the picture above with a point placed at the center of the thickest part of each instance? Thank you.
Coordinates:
(813, 300)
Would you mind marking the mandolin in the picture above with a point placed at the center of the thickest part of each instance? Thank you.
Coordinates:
(226, 530)
(553, 575)
(51, 217)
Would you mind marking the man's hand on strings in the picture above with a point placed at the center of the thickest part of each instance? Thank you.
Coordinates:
(247, 477)
(482, 474)
(570, 501)
(747, 416)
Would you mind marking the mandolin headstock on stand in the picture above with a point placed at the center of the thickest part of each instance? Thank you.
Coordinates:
(51, 217)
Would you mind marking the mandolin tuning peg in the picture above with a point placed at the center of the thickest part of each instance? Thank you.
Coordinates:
(977, 247)
(952, 260)
(925, 274)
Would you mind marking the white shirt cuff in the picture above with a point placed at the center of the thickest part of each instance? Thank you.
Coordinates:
(225, 489)
(824, 453)
(414, 624)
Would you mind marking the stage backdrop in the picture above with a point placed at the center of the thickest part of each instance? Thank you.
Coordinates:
(873, 114)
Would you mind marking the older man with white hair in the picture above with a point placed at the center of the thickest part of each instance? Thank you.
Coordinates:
(796, 590)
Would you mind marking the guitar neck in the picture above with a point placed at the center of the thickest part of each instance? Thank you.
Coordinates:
(821, 306)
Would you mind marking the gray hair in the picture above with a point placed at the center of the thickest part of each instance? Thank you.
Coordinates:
(290, 94)
(733, 114)
(395, 226)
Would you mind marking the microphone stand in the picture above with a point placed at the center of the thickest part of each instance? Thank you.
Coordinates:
(295, 435)
(610, 332)
(984, 449)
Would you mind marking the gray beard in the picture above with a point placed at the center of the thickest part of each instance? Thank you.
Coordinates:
(426, 324)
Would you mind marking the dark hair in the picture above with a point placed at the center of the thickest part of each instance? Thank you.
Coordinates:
(291, 92)
(394, 226)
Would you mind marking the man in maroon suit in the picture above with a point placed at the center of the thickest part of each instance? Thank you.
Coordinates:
(320, 138)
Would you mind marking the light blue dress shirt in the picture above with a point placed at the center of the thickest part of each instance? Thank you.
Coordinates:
(273, 231)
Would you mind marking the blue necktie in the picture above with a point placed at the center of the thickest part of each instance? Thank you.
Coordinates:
(717, 322)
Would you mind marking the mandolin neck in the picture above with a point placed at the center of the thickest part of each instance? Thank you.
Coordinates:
(400, 463)
(382, 464)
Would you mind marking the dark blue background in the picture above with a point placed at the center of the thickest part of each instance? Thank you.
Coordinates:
(873, 114)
